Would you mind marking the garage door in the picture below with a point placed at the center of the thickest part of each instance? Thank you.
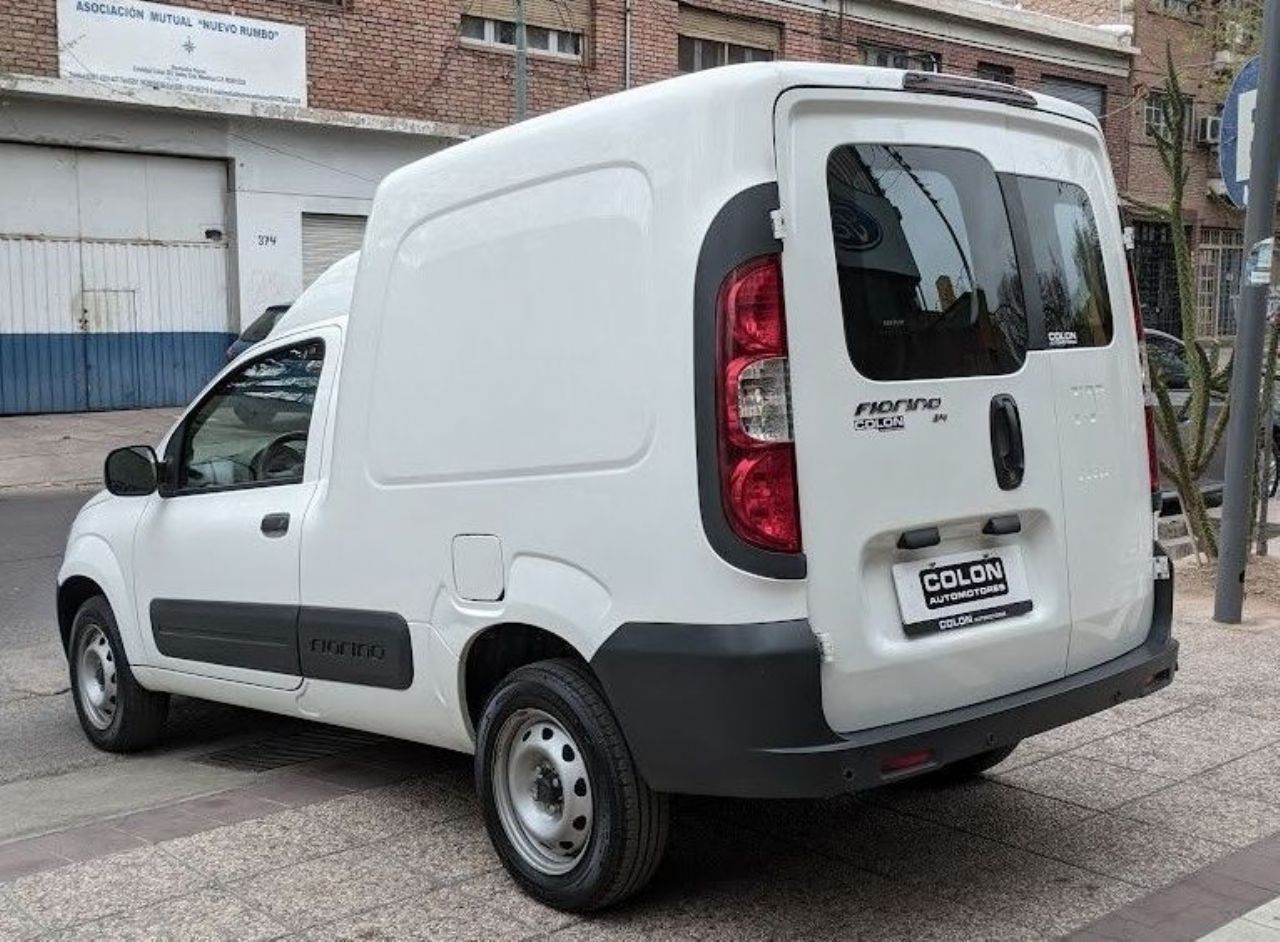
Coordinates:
(114, 294)
(327, 238)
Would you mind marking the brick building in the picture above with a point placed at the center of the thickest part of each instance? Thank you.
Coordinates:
(254, 132)
(1209, 42)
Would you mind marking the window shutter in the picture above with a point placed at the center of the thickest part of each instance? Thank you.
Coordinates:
(325, 239)
(1084, 94)
(573, 16)
(704, 24)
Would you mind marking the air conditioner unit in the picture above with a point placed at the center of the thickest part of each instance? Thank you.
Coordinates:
(1209, 129)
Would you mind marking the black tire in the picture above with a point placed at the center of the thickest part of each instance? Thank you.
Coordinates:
(629, 820)
(967, 769)
(137, 715)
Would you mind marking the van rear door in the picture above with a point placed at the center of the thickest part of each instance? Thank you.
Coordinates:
(927, 446)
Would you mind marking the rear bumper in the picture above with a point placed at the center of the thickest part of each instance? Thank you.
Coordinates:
(737, 709)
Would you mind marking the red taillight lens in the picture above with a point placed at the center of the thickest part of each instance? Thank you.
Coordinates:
(1149, 410)
(756, 451)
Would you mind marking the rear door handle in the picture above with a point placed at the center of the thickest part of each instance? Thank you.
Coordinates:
(1006, 442)
(275, 524)
(1003, 526)
(919, 539)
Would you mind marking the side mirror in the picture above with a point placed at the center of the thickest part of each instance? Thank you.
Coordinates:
(131, 471)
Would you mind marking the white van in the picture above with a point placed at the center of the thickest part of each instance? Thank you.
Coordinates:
(773, 431)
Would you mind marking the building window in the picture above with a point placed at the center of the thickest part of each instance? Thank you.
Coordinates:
(1218, 260)
(1189, 9)
(991, 72)
(892, 58)
(1154, 114)
(539, 39)
(698, 54)
(1087, 95)
(1155, 274)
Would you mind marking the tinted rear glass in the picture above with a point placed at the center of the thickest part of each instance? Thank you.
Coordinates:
(929, 280)
(1068, 262)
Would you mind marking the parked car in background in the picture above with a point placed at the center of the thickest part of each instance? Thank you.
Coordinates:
(256, 332)
(1168, 354)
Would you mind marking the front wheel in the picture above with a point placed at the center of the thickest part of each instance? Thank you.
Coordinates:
(569, 814)
(116, 712)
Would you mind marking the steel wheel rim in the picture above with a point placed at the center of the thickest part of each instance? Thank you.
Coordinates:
(96, 681)
(542, 791)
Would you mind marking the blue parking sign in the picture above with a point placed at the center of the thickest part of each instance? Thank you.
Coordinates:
(1236, 142)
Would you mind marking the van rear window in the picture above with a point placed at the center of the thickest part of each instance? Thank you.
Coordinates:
(1068, 261)
(929, 280)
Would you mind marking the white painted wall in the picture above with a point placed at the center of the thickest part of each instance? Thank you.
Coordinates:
(277, 171)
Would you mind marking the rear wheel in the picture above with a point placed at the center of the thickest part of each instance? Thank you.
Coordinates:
(570, 816)
(972, 767)
(116, 712)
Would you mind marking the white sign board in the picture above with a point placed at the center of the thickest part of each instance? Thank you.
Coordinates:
(135, 44)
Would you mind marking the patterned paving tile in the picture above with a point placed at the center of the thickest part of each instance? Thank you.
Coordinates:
(1079, 780)
(211, 915)
(1204, 812)
(92, 889)
(240, 850)
(1134, 851)
(447, 915)
(331, 887)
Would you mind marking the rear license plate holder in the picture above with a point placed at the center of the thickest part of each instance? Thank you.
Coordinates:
(961, 590)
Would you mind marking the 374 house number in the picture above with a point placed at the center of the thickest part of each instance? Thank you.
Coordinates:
(266, 239)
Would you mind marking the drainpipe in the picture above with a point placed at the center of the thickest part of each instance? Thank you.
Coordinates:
(626, 44)
(522, 65)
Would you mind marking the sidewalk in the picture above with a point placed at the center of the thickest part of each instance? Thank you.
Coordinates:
(67, 450)
(1155, 820)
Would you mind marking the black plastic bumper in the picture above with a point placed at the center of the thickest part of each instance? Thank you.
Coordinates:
(737, 709)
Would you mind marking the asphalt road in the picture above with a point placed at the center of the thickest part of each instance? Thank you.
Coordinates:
(47, 767)
(33, 532)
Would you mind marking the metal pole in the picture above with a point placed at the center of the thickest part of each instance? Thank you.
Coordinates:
(1242, 424)
(522, 65)
(626, 44)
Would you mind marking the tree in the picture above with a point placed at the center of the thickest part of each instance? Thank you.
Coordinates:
(1190, 438)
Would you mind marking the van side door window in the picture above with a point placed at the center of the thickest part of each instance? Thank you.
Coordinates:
(251, 430)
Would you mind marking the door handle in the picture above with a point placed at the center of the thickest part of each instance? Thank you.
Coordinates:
(1006, 442)
(275, 524)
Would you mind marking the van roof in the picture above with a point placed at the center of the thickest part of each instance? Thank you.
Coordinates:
(674, 111)
(327, 297)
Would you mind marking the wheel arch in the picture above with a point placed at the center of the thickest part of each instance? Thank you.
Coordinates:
(496, 651)
(91, 568)
(73, 593)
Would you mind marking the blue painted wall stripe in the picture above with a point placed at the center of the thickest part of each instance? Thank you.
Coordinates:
(75, 372)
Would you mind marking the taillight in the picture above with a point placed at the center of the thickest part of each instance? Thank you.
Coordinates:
(1148, 398)
(756, 449)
